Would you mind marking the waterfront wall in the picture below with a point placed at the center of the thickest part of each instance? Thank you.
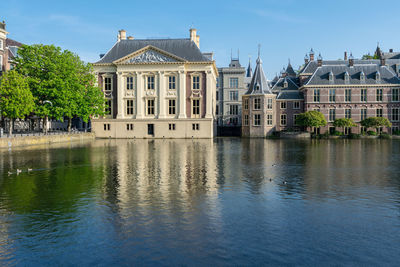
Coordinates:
(43, 139)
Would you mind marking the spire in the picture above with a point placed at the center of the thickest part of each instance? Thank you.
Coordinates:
(249, 70)
(259, 84)
(289, 70)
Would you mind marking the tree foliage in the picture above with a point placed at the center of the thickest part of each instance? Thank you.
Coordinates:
(61, 78)
(311, 119)
(344, 123)
(368, 56)
(375, 122)
(16, 100)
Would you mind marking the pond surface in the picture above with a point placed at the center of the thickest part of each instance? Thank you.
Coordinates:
(203, 202)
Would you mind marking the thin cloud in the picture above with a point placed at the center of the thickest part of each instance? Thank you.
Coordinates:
(278, 16)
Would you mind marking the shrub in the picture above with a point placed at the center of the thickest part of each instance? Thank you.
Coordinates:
(354, 136)
(337, 133)
(385, 136)
(371, 133)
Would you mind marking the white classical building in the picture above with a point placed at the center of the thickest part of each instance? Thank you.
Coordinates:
(157, 88)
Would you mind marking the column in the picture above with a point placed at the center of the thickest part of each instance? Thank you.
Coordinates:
(182, 95)
(209, 95)
(139, 95)
(161, 96)
(120, 94)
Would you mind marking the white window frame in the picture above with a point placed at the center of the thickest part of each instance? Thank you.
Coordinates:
(130, 109)
(397, 118)
(246, 120)
(347, 95)
(234, 82)
(296, 105)
(283, 121)
(317, 95)
(195, 115)
(171, 107)
(148, 107)
(130, 83)
(150, 82)
(381, 112)
(334, 114)
(234, 95)
(364, 95)
(269, 120)
(196, 85)
(283, 105)
(105, 77)
(257, 104)
(111, 107)
(397, 94)
(361, 114)
(257, 120)
(294, 119)
(269, 103)
(347, 113)
(246, 104)
(379, 95)
(172, 82)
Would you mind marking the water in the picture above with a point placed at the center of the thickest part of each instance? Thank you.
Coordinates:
(202, 202)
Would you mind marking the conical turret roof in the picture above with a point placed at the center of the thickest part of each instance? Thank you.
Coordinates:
(259, 84)
(249, 72)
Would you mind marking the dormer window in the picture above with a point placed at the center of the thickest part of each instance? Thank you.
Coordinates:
(331, 76)
(377, 76)
(285, 84)
(346, 77)
(362, 76)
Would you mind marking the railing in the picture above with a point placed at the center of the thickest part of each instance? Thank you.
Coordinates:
(25, 134)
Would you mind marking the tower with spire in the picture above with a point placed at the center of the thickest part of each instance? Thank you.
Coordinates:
(258, 105)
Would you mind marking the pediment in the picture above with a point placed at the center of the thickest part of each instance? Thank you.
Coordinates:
(149, 54)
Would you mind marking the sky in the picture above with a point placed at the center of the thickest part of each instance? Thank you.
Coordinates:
(285, 29)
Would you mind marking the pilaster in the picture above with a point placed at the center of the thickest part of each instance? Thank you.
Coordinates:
(182, 94)
(161, 94)
(139, 95)
(120, 93)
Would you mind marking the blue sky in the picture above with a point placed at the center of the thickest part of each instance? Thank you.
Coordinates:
(284, 28)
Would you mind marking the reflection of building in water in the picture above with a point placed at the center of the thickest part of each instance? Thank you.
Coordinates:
(341, 166)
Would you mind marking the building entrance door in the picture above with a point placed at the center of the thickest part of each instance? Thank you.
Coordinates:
(150, 129)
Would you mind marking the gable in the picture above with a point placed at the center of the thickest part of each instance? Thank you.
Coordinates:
(149, 54)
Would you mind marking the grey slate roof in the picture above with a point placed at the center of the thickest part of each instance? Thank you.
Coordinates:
(290, 71)
(249, 72)
(259, 83)
(312, 66)
(290, 95)
(321, 75)
(183, 48)
(291, 84)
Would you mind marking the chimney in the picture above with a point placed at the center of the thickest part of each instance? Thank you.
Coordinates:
(306, 59)
(311, 55)
(351, 60)
(194, 38)
(391, 50)
(319, 60)
(345, 55)
(383, 61)
(131, 38)
(121, 35)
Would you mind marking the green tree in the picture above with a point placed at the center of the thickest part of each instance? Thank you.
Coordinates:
(344, 123)
(375, 122)
(368, 56)
(61, 78)
(16, 100)
(311, 119)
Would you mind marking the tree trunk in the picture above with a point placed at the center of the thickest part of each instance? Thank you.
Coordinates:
(10, 127)
(69, 124)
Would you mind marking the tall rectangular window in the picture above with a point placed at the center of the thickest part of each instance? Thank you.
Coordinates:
(257, 119)
(317, 93)
(129, 126)
(218, 82)
(296, 105)
(395, 94)
(1, 45)
(196, 107)
(269, 103)
(257, 104)
(233, 95)
(347, 113)
(363, 114)
(363, 95)
(171, 126)
(233, 82)
(233, 109)
(283, 119)
(332, 114)
(217, 96)
(108, 108)
(269, 119)
(150, 106)
(171, 82)
(347, 95)
(246, 104)
(107, 84)
(332, 95)
(195, 126)
(129, 83)
(246, 120)
(196, 82)
(150, 82)
(395, 114)
(283, 105)
(294, 119)
(379, 95)
(129, 107)
(379, 112)
(171, 106)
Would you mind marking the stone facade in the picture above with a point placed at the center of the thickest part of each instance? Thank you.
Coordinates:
(232, 84)
(3, 50)
(157, 89)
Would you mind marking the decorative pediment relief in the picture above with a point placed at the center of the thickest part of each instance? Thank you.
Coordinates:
(150, 92)
(196, 94)
(150, 56)
(171, 93)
